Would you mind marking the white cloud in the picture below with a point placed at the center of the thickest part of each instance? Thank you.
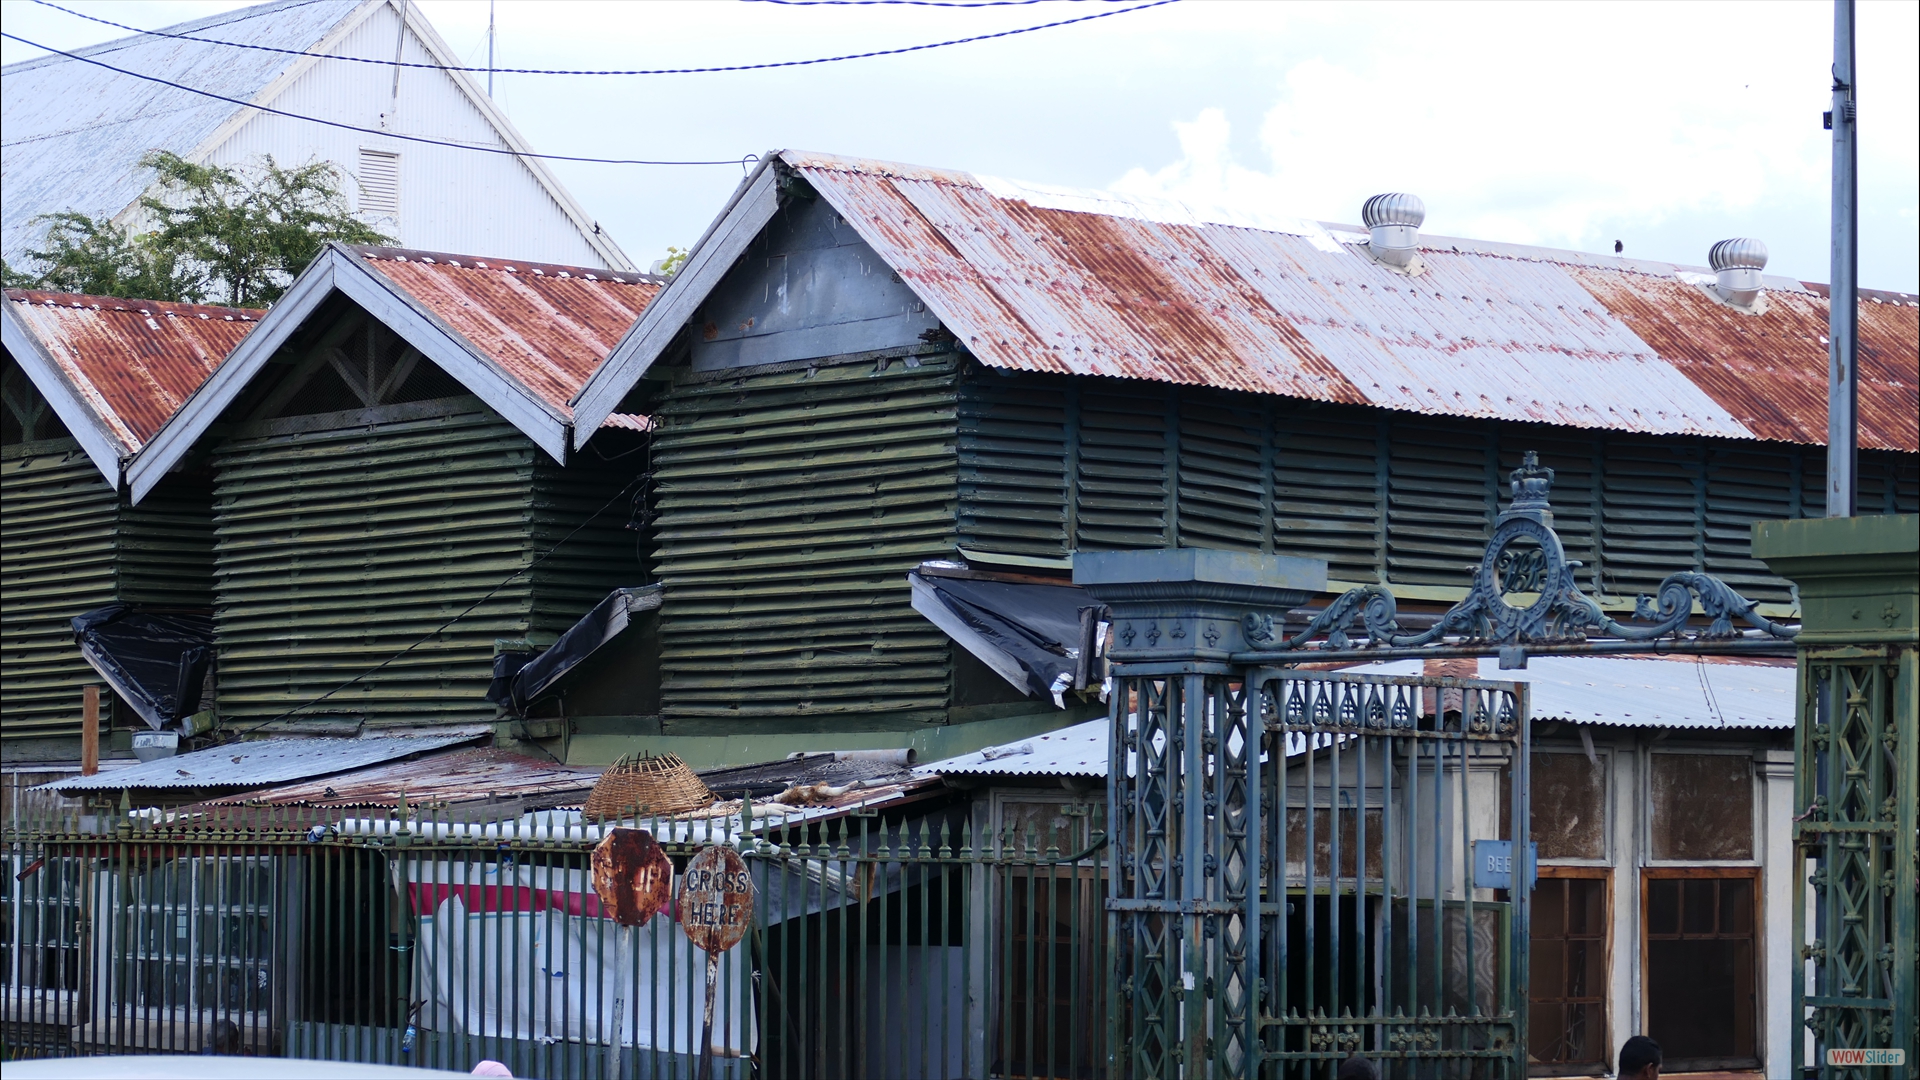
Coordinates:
(1557, 124)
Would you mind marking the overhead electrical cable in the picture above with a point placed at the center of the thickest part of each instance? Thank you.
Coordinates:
(506, 151)
(635, 71)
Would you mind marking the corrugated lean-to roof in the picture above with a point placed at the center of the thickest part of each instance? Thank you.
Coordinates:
(259, 764)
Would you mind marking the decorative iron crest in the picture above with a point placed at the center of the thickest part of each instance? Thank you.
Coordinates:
(1525, 557)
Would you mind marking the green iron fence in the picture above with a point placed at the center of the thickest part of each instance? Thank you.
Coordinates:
(918, 942)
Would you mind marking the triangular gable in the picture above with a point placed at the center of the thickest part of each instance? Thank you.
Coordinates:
(115, 370)
(510, 370)
(64, 110)
(752, 206)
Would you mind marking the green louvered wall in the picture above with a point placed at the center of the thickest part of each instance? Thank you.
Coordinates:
(792, 505)
(1050, 465)
(68, 545)
(57, 525)
(338, 549)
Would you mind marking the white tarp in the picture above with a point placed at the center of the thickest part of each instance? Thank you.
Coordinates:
(522, 952)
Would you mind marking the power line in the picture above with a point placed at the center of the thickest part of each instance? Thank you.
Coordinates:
(502, 150)
(636, 71)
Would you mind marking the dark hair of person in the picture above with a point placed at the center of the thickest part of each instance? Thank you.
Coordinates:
(1637, 1053)
(1359, 1068)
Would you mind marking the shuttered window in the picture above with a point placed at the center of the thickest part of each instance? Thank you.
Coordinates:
(379, 183)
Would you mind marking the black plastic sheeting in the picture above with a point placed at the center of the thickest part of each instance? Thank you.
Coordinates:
(519, 680)
(154, 658)
(1039, 627)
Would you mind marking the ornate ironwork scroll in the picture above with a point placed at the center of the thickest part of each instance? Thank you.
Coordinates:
(1525, 559)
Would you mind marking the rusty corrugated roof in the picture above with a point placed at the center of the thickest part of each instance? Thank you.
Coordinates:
(1092, 283)
(547, 326)
(472, 774)
(1770, 370)
(133, 362)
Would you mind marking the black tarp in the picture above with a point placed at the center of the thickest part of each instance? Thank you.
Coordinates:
(519, 681)
(1035, 630)
(156, 659)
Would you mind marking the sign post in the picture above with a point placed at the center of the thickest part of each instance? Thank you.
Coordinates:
(634, 880)
(716, 907)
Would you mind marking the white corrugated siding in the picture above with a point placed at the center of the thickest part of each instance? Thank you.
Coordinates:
(450, 199)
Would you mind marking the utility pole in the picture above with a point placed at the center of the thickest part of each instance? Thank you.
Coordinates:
(489, 48)
(1843, 305)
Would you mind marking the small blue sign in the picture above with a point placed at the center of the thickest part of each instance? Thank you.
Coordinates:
(1493, 864)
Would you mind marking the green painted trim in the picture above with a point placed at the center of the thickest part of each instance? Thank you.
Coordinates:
(1858, 577)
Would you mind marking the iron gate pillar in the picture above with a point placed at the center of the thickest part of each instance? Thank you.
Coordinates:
(1183, 901)
(1856, 783)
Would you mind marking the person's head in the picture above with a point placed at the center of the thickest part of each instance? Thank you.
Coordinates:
(1359, 1068)
(490, 1067)
(223, 1037)
(1640, 1059)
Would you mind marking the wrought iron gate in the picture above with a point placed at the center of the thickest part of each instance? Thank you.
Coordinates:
(1293, 878)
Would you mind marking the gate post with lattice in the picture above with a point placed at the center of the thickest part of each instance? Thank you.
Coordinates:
(1857, 782)
(1184, 806)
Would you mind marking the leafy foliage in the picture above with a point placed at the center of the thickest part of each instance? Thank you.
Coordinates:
(669, 266)
(231, 235)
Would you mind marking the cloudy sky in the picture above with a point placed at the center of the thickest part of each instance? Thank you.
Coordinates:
(1665, 126)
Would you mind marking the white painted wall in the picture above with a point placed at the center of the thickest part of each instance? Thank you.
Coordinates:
(451, 199)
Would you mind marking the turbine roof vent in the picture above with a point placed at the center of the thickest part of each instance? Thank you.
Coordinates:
(1393, 230)
(1736, 268)
(1740, 252)
(1394, 208)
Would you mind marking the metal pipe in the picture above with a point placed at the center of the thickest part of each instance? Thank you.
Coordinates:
(1843, 312)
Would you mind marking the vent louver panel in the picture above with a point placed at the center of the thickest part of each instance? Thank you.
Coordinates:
(1013, 442)
(1327, 493)
(56, 560)
(1224, 456)
(792, 506)
(1123, 482)
(379, 184)
(1442, 497)
(1654, 494)
(336, 550)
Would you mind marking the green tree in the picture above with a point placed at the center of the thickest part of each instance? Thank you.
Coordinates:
(238, 236)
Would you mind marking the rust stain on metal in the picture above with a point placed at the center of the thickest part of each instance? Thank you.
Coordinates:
(133, 361)
(472, 774)
(632, 876)
(546, 326)
(716, 899)
(1770, 370)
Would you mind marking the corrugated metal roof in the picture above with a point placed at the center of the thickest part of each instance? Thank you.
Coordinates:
(1770, 370)
(59, 112)
(1702, 693)
(1080, 750)
(255, 764)
(472, 774)
(133, 362)
(547, 326)
(1092, 283)
(1708, 692)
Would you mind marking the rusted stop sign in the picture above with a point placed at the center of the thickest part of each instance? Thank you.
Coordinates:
(716, 899)
(632, 875)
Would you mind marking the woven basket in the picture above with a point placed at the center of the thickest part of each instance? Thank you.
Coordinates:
(647, 785)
